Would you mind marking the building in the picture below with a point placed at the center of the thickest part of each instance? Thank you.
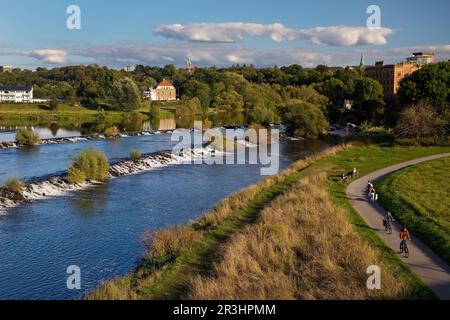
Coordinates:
(190, 67)
(6, 69)
(389, 76)
(129, 68)
(348, 104)
(16, 94)
(165, 91)
(422, 58)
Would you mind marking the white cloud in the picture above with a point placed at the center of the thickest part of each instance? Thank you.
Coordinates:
(52, 56)
(223, 32)
(202, 54)
(219, 54)
(345, 35)
(238, 31)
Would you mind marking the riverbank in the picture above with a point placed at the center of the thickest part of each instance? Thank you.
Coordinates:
(191, 261)
(419, 197)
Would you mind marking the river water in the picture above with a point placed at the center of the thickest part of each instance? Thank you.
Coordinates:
(99, 229)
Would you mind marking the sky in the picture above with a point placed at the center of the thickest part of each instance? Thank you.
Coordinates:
(34, 33)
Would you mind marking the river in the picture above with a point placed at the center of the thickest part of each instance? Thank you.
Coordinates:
(99, 229)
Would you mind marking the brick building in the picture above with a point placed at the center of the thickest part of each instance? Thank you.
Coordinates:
(389, 76)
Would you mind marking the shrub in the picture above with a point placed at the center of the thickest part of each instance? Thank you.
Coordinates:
(92, 163)
(420, 121)
(423, 142)
(26, 137)
(53, 104)
(76, 175)
(14, 185)
(136, 154)
(112, 132)
(372, 134)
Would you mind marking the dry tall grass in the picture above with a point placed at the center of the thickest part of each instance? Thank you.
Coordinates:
(167, 245)
(302, 247)
(242, 198)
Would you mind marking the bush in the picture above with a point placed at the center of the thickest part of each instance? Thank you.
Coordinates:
(420, 121)
(371, 134)
(112, 132)
(136, 154)
(53, 104)
(423, 142)
(26, 137)
(76, 175)
(14, 185)
(92, 163)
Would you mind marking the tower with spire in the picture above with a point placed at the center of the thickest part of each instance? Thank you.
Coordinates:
(190, 67)
(362, 64)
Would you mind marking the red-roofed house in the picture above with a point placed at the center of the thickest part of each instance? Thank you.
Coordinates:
(165, 91)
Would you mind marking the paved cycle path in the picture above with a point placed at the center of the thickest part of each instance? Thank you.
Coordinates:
(432, 269)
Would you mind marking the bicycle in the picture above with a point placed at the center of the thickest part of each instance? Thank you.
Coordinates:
(387, 227)
(404, 248)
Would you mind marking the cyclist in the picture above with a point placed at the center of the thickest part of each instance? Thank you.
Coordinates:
(404, 236)
(388, 220)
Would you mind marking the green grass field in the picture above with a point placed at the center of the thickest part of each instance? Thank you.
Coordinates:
(32, 114)
(419, 197)
(168, 280)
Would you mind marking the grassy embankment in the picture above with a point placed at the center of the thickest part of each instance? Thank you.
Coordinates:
(294, 235)
(26, 114)
(419, 197)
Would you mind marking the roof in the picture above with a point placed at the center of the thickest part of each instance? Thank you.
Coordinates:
(165, 83)
(16, 88)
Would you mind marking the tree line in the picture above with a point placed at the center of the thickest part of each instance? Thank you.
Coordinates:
(304, 99)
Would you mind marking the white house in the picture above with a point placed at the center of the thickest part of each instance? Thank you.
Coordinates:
(16, 94)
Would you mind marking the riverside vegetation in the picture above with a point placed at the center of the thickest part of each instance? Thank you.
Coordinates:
(89, 165)
(26, 137)
(292, 236)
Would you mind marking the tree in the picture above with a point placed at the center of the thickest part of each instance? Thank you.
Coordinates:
(303, 119)
(155, 116)
(261, 102)
(189, 107)
(368, 101)
(200, 90)
(53, 104)
(431, 82)
(419, 121)
(126, 94)
(229, 101)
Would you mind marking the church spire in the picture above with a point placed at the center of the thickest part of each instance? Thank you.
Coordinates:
(362, 64)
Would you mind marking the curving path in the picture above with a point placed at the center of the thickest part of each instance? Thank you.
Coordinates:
(433, 271)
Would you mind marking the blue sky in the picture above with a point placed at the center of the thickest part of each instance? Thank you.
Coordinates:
(116, 33)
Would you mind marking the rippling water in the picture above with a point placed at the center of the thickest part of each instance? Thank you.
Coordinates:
(99, 229)
(53, 158)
